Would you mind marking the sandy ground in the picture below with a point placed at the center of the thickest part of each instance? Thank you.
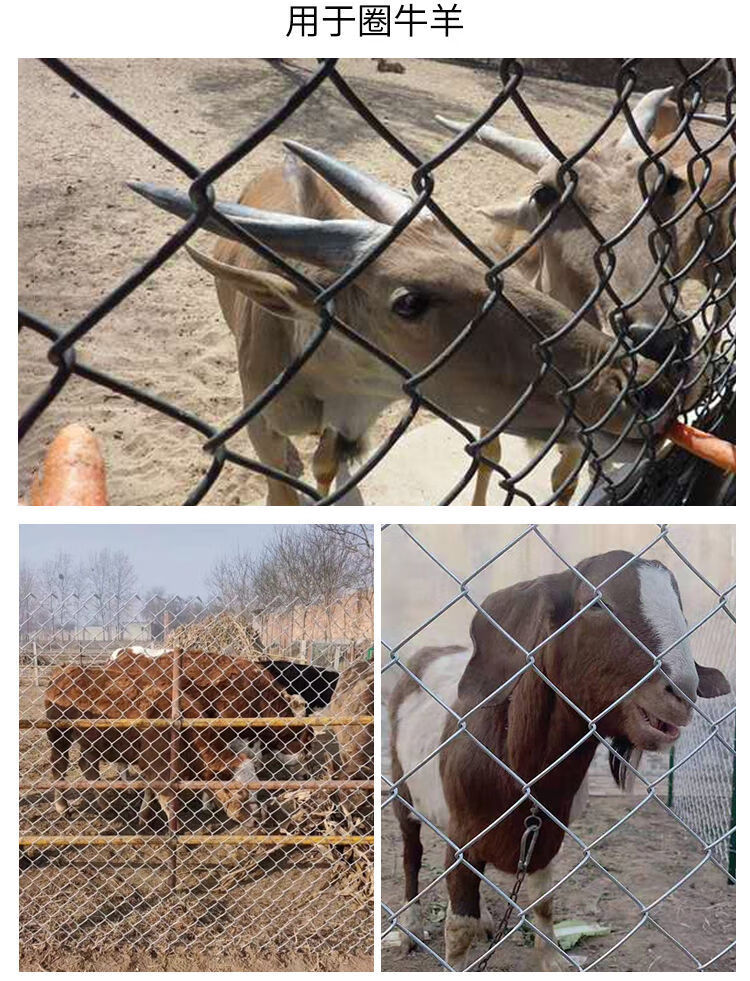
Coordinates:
(81, 231)
(649, 854)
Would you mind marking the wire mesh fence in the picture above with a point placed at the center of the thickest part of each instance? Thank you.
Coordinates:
(702, 790)
(196, 778)
(584, 674)
(599, 310)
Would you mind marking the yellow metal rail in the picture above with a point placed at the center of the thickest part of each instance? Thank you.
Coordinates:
(82, 841)
(162, 723)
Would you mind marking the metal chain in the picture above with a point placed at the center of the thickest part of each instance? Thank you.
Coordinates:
(532, 826)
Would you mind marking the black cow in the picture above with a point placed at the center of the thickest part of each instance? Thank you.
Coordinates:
(315, 685)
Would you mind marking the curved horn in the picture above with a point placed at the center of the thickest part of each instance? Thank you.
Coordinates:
(370, 195)
(331, 244)
(528, 153)
(645, 115)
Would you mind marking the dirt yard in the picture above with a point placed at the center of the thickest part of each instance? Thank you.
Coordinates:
(648, 854)
(82, 231)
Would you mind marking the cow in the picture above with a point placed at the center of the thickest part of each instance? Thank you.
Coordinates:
(136, 686)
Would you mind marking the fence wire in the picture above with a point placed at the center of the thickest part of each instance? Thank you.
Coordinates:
(702, 790)
(196, 777)
(640, 880)
(646, 336)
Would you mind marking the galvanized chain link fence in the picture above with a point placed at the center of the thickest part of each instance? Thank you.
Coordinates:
(196, 776)
(644, 878)
(666, 246)
(702, 790)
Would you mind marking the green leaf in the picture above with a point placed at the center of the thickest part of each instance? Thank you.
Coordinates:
(569, 932)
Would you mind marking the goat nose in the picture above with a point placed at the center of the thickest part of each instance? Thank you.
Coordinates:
(659, 342)
(684, 689)
(682, 684)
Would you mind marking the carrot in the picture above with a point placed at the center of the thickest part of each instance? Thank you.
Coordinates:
(73, 471)
(717, 451)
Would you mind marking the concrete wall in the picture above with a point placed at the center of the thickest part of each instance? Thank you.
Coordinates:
(414, 587)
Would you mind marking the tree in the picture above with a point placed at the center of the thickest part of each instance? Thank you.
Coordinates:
(231, 580)
(307, 564)
(113, 581)
(60, 584)
(314, 564)
(28, 601)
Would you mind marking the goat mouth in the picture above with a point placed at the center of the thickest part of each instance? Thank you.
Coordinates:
(667, 730)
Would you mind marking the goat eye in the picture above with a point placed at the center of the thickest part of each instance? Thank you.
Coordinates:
(544, 196)
(673, 184)
(410, 304)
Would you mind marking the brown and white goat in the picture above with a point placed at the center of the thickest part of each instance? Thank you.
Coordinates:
(462, 791)
(608, 192)
(412, 302)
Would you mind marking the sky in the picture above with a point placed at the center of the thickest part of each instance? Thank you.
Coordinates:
(177, 557)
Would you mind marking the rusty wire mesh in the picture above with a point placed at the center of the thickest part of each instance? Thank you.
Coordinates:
(681, 245)
(649, 863)
(196, 776)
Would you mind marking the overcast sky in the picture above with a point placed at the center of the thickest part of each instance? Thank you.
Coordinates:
(177, 557)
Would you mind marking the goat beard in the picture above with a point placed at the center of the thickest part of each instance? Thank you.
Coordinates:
(624, 776)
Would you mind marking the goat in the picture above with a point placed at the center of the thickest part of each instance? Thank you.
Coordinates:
(608, 192)
(412, 302)
(524, 723)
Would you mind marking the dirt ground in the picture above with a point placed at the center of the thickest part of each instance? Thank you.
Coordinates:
(649, 854)
(81, 231)
(236, 907)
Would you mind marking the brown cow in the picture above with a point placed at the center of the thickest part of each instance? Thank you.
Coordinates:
(354, 696)
(137, 686)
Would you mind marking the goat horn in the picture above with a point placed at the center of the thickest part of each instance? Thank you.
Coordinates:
(331, 244)
(645, 115)
(370, 195)
(528, 153)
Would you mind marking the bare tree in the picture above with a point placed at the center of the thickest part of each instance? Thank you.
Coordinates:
(302, 564)
(231, 580)
(113, 581)
(59, 582)
(28, 601)
(314, 564)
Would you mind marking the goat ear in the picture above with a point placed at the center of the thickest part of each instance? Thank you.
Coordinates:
(711, 682)
(529, 612)
(518, 214)
(667, 120)
(273, 292)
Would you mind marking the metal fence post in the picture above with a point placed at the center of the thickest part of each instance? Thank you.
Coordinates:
(670, 782)
(174, 761)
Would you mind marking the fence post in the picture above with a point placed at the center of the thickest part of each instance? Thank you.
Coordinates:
(670, 779)
(733, 837)
(36, 664)
(174, 757)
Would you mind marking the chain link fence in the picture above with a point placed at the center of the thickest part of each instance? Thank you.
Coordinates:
(195, 782)
(599, 310)
(568, 680)
(702, 789)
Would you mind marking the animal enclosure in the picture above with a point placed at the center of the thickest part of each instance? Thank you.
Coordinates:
(121, 332)
(646, 864)
(195, 784)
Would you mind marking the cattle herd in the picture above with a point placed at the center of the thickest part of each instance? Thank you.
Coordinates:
(171, 719)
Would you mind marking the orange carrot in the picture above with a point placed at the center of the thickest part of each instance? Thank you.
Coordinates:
(717, 451)
(73, 471)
